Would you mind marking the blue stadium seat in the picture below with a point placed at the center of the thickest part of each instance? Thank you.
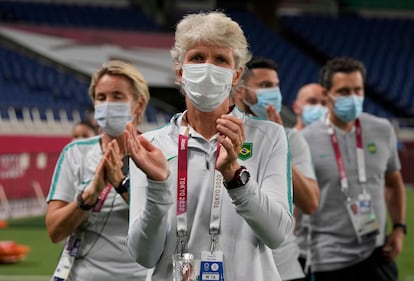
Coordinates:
(384, 45)
(295, 69)
(74, 15)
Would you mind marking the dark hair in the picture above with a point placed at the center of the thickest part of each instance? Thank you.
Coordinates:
(257, 62)
(340, 64)
(261, 62)
(86, 123)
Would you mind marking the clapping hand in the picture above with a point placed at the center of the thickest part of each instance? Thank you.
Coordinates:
(231, 138)
(113, 164)
(146, 156)
(272, 115)
(100, 181)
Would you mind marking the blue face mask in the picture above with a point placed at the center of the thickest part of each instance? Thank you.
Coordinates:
(311, 113)
(348, 108)
(265, 97)
(112, 117)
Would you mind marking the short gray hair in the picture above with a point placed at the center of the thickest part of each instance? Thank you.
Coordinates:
(212, 28)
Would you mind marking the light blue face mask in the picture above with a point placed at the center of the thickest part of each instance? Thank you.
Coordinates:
(311, 113)
(348, 108)
(112, 117)
(265, 97)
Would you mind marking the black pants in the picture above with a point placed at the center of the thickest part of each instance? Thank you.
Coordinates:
(376, 268)
(308, 275)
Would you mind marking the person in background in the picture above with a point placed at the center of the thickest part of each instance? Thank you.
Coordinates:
(90, 117)
(259, 94)
(355, 156)
(83, 130)
(88, 197)
(309, 105)
(211, 185)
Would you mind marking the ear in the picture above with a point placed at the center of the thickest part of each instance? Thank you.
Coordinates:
(179, 73)
(237, 75)
(325, 91)
(239, 92)
(138, 111)
(296, 107)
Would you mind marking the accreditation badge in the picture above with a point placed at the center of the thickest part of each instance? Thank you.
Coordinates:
(67, 258)
(184, 267)
(211, 266)
(363, 217)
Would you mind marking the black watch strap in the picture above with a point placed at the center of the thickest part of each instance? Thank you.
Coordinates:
(123, 186)
(238, 180)
(81, 203)
(400, 225)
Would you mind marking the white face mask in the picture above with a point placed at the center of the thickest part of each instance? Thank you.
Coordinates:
(207, 85)
(112, 117)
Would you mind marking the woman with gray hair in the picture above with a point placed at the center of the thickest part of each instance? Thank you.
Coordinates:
(210, 192)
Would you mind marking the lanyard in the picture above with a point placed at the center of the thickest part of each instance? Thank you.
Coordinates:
(182, 187)
(101, 199)
(359, 154)
(182, 194)
(216, 204)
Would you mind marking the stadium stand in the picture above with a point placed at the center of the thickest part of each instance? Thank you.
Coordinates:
(384, 45)
(296, 68)
(36, 93)
(41, 98)
(46, 91)
(76, 15)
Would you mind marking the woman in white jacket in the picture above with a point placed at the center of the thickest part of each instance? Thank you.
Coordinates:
(212, 193)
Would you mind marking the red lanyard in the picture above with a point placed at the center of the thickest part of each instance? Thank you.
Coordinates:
(182, 188)
(101, 199)
(338, 156)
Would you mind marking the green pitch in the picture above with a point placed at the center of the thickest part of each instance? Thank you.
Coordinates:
(43, 255)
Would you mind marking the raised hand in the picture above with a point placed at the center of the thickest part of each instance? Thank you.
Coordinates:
(272, 115)
(113, 164)
(100, 180)
(231, 138)
(146, 156)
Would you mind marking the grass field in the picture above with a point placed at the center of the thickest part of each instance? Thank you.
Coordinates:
(42, 258)
(41, 261)
(406, 260)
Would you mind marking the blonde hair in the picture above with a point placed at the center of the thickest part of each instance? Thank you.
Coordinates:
(131, 73)
(212, 28)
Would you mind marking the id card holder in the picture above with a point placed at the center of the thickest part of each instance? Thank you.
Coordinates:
(367, 218)
(211, 266)
(363, 217)
(184, 267)
(67, 259)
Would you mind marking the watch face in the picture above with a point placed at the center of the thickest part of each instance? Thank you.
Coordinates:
(244, 176)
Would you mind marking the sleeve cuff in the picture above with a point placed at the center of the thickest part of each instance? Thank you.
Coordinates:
(160, 191)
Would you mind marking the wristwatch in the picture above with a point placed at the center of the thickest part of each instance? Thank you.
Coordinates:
(241, 177)
(402, 226)
(81, 203)
(123, 186)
